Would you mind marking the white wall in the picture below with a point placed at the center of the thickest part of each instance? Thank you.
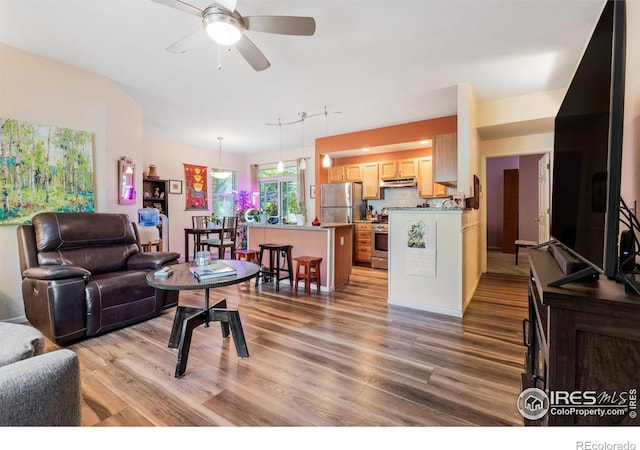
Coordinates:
(43, 91)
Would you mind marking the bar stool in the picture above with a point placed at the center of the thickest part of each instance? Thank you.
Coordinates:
(276, 253)
(311, 266)
(247, 255)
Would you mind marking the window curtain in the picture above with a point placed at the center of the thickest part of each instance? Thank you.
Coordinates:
(255, 187)
(301, 185)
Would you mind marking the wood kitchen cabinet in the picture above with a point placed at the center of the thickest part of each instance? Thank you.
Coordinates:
(341, 174)
(388, 170)
(403, 168)
(371, 181)
(363, 243)
(445, 159)
(407, 168)
(336, 174)
(426, 187)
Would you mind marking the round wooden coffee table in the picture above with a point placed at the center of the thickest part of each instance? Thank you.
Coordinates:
(188, 318)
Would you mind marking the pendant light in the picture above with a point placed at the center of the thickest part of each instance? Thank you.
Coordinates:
(303, 164)
(221, 175)
(326, 161)
(280, 167)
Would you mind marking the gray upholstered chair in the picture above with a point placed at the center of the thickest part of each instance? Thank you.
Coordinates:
(36, 388)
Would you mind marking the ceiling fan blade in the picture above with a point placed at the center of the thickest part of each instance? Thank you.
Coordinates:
(229, 5)
(299, 26)
(188, 42)
(182, 6)
(252, 54)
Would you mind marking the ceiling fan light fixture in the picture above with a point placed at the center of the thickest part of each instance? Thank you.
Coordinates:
(223, 28)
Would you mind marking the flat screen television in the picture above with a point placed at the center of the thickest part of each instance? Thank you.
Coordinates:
(587, 155)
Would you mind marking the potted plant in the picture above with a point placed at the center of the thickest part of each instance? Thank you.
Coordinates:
(213, 220)
(301, 213)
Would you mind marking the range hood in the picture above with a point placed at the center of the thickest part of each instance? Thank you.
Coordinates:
(399, 182)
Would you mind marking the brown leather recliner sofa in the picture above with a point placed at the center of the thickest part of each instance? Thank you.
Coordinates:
(83, 274)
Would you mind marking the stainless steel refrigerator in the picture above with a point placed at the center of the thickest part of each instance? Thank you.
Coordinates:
(341, 202)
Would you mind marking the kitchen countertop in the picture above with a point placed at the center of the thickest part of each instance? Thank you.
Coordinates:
(301, 227)
(428, 210)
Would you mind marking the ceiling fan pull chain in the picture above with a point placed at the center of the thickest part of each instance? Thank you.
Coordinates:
(219, 59)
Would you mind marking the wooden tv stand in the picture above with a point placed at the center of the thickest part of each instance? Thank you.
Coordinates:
(583, 336)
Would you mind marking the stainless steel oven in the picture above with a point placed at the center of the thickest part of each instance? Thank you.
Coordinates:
(379, 245)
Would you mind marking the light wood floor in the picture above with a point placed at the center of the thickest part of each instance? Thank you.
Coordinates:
(340, 359)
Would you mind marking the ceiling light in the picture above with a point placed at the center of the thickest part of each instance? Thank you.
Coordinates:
(303, 164)
(223, 28)
(220, 174)
(366, 149)
(280, 167)
(326, 161)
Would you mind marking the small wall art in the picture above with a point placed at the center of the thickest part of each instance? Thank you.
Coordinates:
(175, 187)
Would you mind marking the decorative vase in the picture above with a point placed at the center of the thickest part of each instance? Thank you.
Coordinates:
(262, 218)
(153, 173)
(316, 222)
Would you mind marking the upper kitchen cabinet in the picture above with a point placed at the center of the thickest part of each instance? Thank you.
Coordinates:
(353, 172)
(426, 187)
(404, 168)
(445, 159)
(336, 174)
(340, 174)
(370, 181)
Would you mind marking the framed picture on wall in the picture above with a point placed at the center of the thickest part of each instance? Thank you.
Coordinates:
(175, 187)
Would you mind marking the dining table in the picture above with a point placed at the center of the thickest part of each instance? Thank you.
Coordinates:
(197, 234)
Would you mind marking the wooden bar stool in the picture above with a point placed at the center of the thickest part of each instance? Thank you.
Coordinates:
(247, 255)
(311, 272)
(276, 268)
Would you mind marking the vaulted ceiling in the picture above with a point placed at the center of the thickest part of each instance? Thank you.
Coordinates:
(371, 63)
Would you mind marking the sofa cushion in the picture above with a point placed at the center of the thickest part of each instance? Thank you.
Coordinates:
(19, 342)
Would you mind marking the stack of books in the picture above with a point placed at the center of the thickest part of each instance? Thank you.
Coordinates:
(214, 270)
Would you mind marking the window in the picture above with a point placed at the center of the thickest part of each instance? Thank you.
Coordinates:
(278, 196)
(222, 195)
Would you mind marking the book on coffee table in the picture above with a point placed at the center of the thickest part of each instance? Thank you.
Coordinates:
(214, 270)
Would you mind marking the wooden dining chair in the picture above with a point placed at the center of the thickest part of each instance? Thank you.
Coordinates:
(200, 222)
(226, 238)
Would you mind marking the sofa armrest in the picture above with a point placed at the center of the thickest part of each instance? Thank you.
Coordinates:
(56, 272)
(41, 391)
(151, 260)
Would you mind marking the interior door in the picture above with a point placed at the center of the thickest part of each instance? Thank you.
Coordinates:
(543, 198)
(510, 210)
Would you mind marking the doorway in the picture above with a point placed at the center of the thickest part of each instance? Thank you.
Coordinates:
(521, 206)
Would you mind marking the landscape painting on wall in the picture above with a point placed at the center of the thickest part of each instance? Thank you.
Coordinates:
(43, 168)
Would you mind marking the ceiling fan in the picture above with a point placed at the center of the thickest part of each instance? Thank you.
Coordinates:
(222, 23)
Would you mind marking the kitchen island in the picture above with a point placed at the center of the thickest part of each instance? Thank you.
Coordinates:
(331, 242)
(434, 258)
